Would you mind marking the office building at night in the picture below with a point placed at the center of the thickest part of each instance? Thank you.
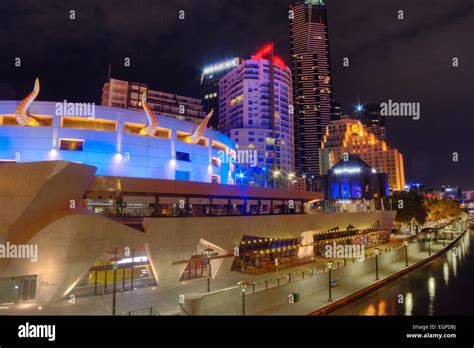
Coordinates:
(127, 95)
(369, 115)
(336, 111)
(254, 110)
(210, 87)
(312, 86)
(349, 136)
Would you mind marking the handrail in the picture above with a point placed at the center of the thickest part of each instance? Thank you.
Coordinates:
(322, 269)
(151, 310)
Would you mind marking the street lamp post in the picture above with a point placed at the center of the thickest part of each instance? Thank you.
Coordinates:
(290, 176)
(275, 174)
(329, 280)
(114, 262)
(243, 286)
(406, 252)
(377, 252)
(428, 236)
(265, 176)
(208, 251)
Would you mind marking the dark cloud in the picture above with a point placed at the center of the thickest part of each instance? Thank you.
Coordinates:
(403, 60)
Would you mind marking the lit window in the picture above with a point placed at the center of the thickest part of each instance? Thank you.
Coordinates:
(71, 144)
(89, 123)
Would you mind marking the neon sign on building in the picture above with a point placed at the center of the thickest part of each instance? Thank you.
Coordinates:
(347, 170)
(222, 66)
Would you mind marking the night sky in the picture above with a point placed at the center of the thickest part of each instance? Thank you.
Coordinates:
(407, 60)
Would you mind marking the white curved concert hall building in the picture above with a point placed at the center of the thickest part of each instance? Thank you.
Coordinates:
(112, 140)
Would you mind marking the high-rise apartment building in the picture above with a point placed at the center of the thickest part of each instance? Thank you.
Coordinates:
(369, 115)
(349, 136)
(312, 88)
(254, 110)
(336, 111)
(210, 87)
(127, 95)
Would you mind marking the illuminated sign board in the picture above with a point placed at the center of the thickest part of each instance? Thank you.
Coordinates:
(347, 171)
(222, 66)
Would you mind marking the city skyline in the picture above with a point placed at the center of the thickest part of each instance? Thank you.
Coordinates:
(236, 161)
(405, 70)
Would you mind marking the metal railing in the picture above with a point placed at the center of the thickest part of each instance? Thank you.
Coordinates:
(309, 272)
(148, 311)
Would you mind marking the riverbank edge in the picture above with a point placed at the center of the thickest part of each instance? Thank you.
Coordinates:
(371, 288)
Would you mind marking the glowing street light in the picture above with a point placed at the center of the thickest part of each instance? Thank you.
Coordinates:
(290, 181)
(276, 173)
(405, 242)
(329, 280)
(377, 252)
(428, 236)
(243, 286)
(265, 175)
(240, 176)
(115, 262)
(208, 251)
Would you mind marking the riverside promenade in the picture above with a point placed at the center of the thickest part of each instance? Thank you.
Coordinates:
(306, 291)
(268, 294)
(345, 292)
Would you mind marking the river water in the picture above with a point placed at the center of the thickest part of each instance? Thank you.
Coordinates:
(445, 286)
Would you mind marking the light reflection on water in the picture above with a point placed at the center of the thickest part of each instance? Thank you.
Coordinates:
(442, 287)
(408, 304)
(432, 294)
(446, 273)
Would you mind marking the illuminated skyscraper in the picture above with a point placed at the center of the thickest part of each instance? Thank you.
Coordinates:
(349, 136)
(210, 87)
(369, 115)
(312, 89)
(254, 109)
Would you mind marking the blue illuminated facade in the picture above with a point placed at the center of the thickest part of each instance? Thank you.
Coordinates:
(111, 141)
(354, 179)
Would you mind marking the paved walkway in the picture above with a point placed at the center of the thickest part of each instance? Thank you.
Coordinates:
(319, 299)
(166, 300)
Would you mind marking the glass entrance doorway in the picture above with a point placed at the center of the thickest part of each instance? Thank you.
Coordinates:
(28, 288)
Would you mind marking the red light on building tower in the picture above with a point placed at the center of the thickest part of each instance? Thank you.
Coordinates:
(267, 52)
(279, 62)
(264, 51)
